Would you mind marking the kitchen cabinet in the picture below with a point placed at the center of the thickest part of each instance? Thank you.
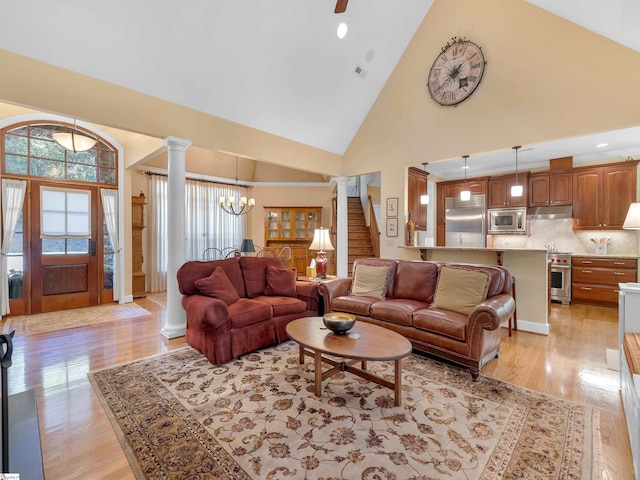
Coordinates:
(475, 185)
(499, 188)
(417, 186)
(292, 227)
(602, 195)
(596, 279)
(548, 189)
(440, 214)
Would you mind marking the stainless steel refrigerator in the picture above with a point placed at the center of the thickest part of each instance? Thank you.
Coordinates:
(465, 222)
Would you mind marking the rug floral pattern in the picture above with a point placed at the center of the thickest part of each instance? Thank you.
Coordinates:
(257, 417)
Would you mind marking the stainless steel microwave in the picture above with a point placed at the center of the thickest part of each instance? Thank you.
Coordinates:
(507, 221)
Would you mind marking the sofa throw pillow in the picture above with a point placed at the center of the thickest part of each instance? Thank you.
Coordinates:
(370, 281)
(218, 285)
(460, 289)
(281, 282)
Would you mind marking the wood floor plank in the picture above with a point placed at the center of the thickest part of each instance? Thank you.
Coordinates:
(78, 441)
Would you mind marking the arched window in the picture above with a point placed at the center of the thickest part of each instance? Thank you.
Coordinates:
(29, 150)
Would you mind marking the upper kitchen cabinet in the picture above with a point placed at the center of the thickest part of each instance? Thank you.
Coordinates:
(476, 186)
(548, 189)
(500, 191)
(417, 186)
(602, 195)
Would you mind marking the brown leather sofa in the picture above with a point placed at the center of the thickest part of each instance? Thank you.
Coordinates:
(408, 307)
(238, 305)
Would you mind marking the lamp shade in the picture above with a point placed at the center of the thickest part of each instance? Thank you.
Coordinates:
(247, 246)
(74, 141)
(321, 240)
(632, 220)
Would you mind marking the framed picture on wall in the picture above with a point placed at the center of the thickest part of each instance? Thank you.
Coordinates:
(392, 207)
(392, 227)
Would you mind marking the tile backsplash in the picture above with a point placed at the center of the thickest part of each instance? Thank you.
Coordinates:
(542, 232)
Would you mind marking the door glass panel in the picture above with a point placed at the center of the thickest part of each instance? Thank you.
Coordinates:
(64, 246)
(15, 259)
(65, 213)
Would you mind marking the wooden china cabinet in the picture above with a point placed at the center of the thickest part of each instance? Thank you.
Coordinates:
(293, 227)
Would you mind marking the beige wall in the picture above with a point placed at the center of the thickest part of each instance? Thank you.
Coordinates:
(545, 79)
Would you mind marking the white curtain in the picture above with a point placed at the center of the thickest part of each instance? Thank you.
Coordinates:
(12, 198)
(110, 208)
(157, 269)
(207, 225)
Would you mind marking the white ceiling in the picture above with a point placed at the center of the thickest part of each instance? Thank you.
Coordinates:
(276, 65)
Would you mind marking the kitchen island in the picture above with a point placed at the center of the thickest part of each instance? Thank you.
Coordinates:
(528, 266)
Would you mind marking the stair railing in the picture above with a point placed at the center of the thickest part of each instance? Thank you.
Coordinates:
(374, 230)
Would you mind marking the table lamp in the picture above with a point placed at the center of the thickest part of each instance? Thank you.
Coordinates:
(247, 246)
(321, 242)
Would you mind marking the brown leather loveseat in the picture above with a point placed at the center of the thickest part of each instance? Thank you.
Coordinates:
(238, 305)
(450, 310)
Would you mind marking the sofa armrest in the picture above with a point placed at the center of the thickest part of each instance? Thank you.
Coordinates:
(308, 292)
(491, 313)
(332, 289)
(205, 311)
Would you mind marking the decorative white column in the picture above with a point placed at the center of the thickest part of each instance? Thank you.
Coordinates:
(175, 322)
(342, 238)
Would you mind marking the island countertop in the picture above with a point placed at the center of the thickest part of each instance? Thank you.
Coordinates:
(479, 249)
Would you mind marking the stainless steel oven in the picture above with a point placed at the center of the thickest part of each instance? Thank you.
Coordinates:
(560, 277)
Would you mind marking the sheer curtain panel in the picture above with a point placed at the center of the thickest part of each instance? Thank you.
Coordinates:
(110, 208)
(157, 268)
(12, 199)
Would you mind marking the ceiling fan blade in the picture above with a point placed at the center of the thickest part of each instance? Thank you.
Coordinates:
(341, 6)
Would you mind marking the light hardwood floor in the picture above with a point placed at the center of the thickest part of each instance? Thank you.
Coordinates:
(78, 441)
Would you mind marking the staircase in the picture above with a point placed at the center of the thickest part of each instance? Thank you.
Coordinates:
(359, 239)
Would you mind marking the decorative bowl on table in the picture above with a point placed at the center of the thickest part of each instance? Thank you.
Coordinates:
(339, 323)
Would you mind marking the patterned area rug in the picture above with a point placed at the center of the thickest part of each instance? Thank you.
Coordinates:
(257, 417)
(78, 317)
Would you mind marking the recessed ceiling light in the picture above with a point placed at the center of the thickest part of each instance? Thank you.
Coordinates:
(343, 28)
(600, 145)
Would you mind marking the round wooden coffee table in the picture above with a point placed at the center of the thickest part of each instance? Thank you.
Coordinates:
(374, 343)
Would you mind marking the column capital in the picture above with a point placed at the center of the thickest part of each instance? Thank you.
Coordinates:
(342, 180)
(175, 143)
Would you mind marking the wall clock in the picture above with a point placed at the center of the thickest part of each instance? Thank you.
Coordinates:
(456, 72)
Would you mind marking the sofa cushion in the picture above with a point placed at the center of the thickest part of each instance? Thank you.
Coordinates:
(353, 304)
(218, 285)
(396, 311)
(189, 272)
(254, 271)
(442, 322)
(247, 311)
(415, 281)
(283, 305)
(370, 281)
(460, 289)
(280, 281)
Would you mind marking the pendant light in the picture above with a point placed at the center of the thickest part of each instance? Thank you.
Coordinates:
(516, 190)
(424, 199)
(74, 140)
(243, 207)
(465, 195)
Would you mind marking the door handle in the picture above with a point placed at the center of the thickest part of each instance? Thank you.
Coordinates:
(92, 248)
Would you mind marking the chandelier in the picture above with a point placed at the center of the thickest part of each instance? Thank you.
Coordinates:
(230, 206)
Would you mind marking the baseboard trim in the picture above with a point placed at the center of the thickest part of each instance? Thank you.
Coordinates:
(532, 327)
(127, 299)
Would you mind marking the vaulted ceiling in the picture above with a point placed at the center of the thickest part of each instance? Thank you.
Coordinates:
(275, 66)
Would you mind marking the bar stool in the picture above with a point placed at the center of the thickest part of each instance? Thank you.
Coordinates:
(514, 318)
